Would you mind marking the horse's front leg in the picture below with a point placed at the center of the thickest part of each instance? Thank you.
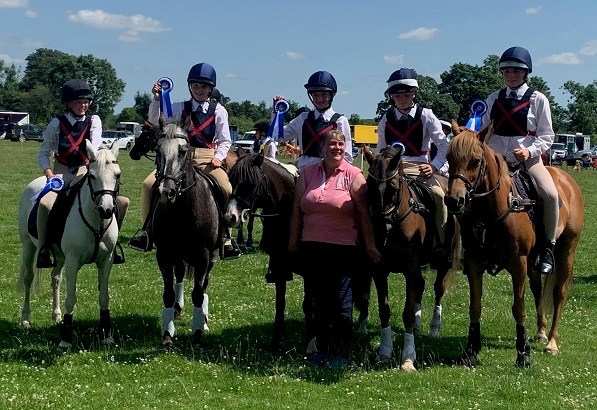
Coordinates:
(200, 306)
(26, 277)
(105, 325)
(474, 275)
(419, 289)
(167, 270)
(71, 271)
(414, 282)
(523, 348)
(439, 288)
(386, 345)
(179, 272)
(280, 307)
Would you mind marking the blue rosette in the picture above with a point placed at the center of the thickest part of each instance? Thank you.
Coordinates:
(276, 128)
(55, 183)
(165, 104)
(478, 108)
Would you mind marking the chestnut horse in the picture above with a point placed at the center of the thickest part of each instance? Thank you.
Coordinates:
(496, 235)
(406, 243)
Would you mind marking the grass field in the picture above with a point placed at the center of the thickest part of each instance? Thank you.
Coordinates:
(235, 370)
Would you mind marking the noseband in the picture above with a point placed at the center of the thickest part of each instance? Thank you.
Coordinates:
(471, 187)
(177, 179)
(250, 204)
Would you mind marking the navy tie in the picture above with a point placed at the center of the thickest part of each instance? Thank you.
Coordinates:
(513, 94)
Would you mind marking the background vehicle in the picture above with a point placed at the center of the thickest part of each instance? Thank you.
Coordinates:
(557, 153)
(245, 141)
(133, 127)
(9, 119)
(26, 132)
(124, 140)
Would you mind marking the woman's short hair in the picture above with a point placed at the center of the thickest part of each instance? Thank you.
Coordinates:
(331, 134)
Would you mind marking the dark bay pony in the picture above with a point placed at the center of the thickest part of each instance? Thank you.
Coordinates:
(405, 241)
(497, 235)
(259, 183)
(186, 226)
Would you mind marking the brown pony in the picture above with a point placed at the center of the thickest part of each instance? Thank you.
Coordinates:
(497, 235)
(406, 243)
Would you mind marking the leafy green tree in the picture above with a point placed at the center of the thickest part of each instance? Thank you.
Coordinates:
(582, 107)
(10, 95)
(142, 102)
(558, 114)
(39, 102)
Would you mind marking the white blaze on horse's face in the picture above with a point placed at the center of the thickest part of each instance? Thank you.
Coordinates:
(234, 213)
(171, 151)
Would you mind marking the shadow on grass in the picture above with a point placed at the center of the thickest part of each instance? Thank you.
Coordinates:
(586, 280)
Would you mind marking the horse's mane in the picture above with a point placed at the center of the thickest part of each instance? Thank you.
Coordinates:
(244, 170)
(379, 167)
(173, 130)
(467, 145)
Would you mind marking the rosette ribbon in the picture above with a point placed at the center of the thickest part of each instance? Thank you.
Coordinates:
(276, 128)
(478, 108)
(55, 183)
(165, 104)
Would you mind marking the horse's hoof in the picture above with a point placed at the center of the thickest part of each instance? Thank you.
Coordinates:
(167, 340)
(197, 337)
(541, 338)
(434, 333)
(108, 341)
(64, 345)
(523, 360)
(554, 351)
(26, 324)
(57, 317)
(381, 359)
(468, 359)
(408, 366)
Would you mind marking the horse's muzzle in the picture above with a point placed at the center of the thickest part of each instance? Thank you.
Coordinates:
(455, 205)
(106, 213)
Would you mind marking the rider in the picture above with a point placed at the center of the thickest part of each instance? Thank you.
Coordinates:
(308, 127)
(209, 139)
(65, 138)
(263, 142)
(416, 128)
(522, 131)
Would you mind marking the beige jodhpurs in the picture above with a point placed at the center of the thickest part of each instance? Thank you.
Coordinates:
(548, 192)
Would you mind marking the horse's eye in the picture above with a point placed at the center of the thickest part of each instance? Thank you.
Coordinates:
(475, 163)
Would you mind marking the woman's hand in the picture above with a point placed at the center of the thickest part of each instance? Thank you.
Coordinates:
(521, 154)
(426, 170)
(216, 163)
(373, 254)
(48, 173)
(156, 90)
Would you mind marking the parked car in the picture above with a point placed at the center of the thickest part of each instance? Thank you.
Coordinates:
(125, 140)
(245, 141)
(25, 132)
(557, 153)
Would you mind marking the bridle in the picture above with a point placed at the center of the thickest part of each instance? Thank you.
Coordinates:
(250, 204)
(391, 215)
(180, 177)
(472, 187)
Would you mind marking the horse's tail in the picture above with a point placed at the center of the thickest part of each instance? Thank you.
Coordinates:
(547, 303)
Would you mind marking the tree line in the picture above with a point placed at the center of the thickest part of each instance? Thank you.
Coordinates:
(36, 90)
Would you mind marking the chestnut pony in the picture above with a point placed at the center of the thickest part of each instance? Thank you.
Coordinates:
(497, 234)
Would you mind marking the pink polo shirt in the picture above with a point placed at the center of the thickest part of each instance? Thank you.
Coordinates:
(329, 213)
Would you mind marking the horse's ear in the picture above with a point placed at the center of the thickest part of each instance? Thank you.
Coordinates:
(91, 151)
(485, 132)
(162, 121)
(395, 161)
(241, 152)
(455, 128)
(369, 156)
(258, 160)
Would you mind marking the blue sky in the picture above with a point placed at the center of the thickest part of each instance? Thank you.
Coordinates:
(262, 48)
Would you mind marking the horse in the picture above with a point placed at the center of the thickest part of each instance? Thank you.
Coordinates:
(90, 236)
(498, 234)
(406, 243)
(186, 227)
(259, 183)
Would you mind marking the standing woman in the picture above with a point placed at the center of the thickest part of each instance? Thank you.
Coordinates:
(522, 131)
(329, 211)
(64, 139)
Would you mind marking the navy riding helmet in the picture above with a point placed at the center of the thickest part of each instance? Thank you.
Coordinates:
(321, 81)
(202, 73)
(517, 57)
(402, 81)
(75, 90)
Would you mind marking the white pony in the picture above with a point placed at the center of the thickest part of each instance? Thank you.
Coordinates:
(90, 235)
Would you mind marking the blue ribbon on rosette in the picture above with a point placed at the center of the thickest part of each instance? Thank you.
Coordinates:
(478, 108)
(55, 183)
(276, 128)
(165, 105)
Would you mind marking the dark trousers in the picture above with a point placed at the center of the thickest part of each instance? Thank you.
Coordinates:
(328, 274)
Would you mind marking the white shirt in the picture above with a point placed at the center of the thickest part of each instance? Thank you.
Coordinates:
(538, 120)
(294, 129)
(432, 131)
(222, 138)
(271, 149)
(52, 134)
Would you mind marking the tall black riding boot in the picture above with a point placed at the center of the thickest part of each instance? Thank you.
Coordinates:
(547, 263)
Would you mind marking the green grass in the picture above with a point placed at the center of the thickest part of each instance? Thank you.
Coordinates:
(235, 370)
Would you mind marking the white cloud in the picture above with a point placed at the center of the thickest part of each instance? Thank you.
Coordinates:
(533, 10)
(294, 56)
(421, 33)
(344, 92)
(13, 4)
(394, 59)
(589, 48)
(563, 58)
(131, 25)
(231, 75)
(31, 14)
(8, 60)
